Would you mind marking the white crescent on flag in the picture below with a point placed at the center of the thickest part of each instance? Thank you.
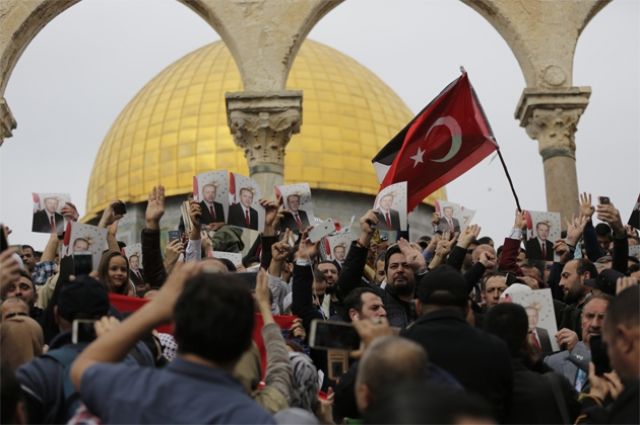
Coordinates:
(456, 136)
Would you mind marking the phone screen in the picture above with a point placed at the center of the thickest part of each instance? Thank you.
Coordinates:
(604, 200)
(82, 263)
(599, 355)
(333, 335)
(83, 331)
(174, 235)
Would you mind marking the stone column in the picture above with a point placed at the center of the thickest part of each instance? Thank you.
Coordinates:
(262, 124)
(551, 117)
(7, 121)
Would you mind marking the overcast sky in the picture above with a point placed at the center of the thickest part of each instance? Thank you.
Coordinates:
(80, 71)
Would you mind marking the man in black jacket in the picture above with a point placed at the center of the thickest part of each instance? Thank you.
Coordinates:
(478, 360)
(401, 268)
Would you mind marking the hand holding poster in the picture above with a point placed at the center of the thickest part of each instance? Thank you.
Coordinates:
(542, 318)
(47, 212)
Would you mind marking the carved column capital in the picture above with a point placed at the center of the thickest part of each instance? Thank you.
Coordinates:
(7, 121)
(551, 117)
(262, 124)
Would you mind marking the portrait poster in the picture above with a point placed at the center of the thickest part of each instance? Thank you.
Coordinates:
(542, 318)
(536, 221)
(454, 218)
(298, 206)
(336, 247)
(390, 207)
(211, 190)
(244, 203)
(134, 249)
(86, 238)
(47, 212)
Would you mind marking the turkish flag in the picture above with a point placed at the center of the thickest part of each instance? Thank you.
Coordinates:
(448, 137)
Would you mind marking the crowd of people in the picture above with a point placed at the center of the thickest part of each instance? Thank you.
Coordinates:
(441, 340)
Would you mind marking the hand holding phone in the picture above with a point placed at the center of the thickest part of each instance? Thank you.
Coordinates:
(333, 335)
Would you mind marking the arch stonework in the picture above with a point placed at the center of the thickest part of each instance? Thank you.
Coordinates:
(542, 35)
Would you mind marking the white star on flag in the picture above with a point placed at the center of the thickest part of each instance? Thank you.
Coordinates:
(417, 158)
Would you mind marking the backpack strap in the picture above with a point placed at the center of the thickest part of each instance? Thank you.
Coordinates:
(65, 357)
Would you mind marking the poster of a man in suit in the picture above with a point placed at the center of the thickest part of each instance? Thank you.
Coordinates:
(298, 206)
(390, 207)
(48, 212)
(542, 318)
(245, 209)
(543, 229)
(454, 218)
(211, 190)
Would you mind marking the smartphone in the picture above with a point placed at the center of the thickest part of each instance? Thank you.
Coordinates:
(119, 208)
(333, 335)
(174, 235)
(599, 355)
(321, 230)
(4, 243)
(82, 263)
(83, 330)
(604, 200)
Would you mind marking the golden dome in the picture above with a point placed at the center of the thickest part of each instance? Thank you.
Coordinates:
(176, 127)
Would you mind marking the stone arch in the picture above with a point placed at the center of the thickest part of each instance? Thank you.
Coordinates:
(542, 35)
(245, 27)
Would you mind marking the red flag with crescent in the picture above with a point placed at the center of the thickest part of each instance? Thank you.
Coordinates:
(447, 138)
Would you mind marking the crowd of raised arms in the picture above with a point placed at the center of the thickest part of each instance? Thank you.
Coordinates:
(439, 336)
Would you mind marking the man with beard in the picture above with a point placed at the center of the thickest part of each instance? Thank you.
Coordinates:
(593, 314)
(400, 265)
(575, 292)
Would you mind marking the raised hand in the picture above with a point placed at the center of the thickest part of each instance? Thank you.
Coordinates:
(307, 250)
(70, 212)
(575, 227)
(625, 282)
(520, 221)
(195, 212)
(155, 208)
(280, 250)
(108, 216)
(469, 234)
(609, 214)
(368, 223)
(586, 207)
(9, 267)
(172, 253)
(561, 249)
(413, 255)
(488, 260)
(272, 215)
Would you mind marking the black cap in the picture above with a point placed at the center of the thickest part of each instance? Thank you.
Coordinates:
(85, 297)
(443, 286)
(606, 281)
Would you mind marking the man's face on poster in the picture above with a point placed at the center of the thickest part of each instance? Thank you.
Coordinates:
(134, 262)
(209, 193)
(51, 205)
(246, 197)
(339, 253)
(386, 201)
(294, 202)
(532, 314)
(80, 245)
(448, 212)
(542, 229)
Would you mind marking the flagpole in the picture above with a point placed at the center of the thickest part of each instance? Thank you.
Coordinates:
(513, 190)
